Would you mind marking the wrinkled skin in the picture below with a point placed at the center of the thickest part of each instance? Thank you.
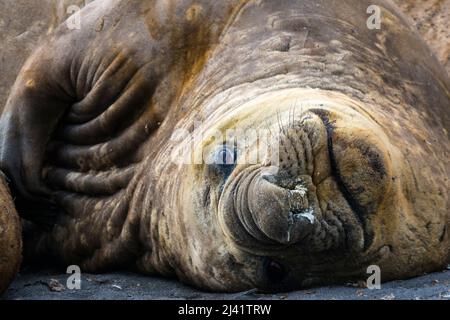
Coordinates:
(361, 117)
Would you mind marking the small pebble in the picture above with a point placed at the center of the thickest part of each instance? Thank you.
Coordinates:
(55, 286)
(388, 297)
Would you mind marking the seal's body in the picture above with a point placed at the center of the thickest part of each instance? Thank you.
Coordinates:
(105, 125)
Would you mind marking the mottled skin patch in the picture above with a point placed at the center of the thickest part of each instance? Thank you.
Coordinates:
(361, 117)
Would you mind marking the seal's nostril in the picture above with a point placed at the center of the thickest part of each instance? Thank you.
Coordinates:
(275, 272)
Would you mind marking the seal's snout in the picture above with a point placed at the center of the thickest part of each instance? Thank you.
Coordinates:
(284, 204)
(277, 203)
(280, 207)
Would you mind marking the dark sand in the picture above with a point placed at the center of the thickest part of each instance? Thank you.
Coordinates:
(36, 285)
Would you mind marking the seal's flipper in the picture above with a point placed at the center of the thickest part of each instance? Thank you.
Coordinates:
(38, 100)
(81, 106)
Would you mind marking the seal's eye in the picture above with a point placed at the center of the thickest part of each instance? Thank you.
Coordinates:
(225, 156)
(223, 160)
(274, 271)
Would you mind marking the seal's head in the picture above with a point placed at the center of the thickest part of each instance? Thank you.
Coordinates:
(291, 210)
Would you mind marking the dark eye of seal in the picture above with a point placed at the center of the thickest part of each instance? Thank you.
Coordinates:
(225, 156)
(225, 159)
(274, 271)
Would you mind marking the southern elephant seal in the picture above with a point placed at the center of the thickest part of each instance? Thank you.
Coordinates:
(121, 138)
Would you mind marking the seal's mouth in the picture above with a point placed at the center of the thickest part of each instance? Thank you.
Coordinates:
(347, 192)
(330, 178)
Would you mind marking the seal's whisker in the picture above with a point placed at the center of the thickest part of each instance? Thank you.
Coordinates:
(292, 115)
(270, 131)
(280, 125)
